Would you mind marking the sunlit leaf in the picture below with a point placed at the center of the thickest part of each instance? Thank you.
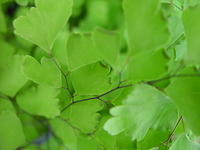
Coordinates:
(43, 22)
(145, 108)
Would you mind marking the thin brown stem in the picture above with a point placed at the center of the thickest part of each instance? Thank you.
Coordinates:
(72, 126)
(172, 76)
(64, 75)
(172, 133)
(129, 85)
(96, 97)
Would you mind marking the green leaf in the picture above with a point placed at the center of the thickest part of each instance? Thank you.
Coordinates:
(108, 45)
(87, 143)
(41, 101)
(65, 132)
(184, 143)
(148, 66)
(147, 29)
(71, 139)
(84, 115)
(91, 79)
(145, 108)
(124, 142)
(185, 93)
(42, 24)
(6, 105)
(83, 53)
(192, 34)
(46, 73)
(11, 77)
(11, 131)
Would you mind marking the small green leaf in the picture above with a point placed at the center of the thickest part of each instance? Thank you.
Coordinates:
(81, 50)
(147, 29)
(41, 101)
(108, 45)
(84, 115)
(42, 24)
(91, 79)
(148, 66)
(192, 34)
(145, 108)
(46, 73)
(11, 132)
(65, 132)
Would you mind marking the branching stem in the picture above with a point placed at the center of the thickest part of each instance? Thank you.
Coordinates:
(97, 97)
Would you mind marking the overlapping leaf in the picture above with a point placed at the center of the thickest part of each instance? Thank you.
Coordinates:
(81, 51)
(145, 108)
(92, 79)
(71, 139)
(127, 50)
(84, 115)
(147, 29)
